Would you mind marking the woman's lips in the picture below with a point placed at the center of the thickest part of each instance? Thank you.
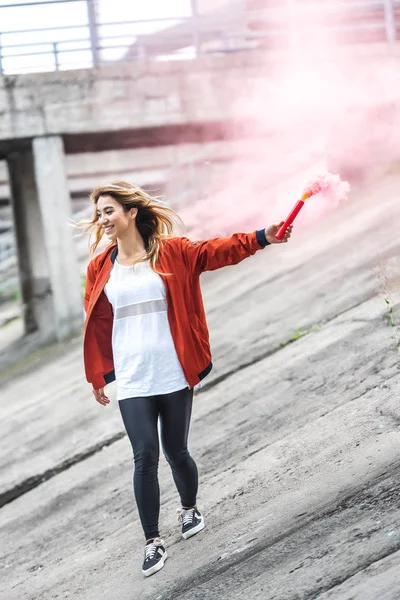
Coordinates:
(108, 229)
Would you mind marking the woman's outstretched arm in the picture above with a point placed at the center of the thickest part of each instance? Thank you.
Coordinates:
(209, 255)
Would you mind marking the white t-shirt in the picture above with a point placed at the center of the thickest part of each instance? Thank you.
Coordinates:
(145, 359)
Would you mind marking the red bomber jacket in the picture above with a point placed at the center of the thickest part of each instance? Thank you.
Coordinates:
(185, 261)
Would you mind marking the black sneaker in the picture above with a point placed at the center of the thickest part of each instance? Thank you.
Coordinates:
(192, 521)
(154, 557)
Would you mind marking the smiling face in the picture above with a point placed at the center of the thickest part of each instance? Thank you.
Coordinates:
(112, 217)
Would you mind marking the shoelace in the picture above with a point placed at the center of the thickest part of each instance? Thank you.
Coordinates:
(186, 517)
(151, 549)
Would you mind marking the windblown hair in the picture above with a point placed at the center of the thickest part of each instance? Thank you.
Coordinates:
(154, 221)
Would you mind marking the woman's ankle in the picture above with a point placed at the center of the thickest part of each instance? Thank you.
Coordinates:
(151, 539)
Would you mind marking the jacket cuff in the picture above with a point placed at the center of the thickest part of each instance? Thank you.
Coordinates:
(261, 239)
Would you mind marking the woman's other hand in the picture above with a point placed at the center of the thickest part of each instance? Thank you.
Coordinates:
(271, 231)
(100, 397)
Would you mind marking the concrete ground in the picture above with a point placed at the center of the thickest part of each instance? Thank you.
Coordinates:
(296, 434)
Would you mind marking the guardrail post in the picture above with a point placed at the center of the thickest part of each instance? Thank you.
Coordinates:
(195, 27)
(55, 52)
(94, 39)
(390, 22)
(1, 57)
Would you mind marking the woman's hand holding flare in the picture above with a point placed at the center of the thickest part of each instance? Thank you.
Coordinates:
(328, 185)
(100, 397)
(271, 231)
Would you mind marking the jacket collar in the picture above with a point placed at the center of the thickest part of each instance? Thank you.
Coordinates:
(114, 253)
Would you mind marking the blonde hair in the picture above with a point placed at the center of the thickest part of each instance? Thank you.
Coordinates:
(155, 221)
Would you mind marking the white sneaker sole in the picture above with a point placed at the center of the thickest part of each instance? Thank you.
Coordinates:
(156, 567)
(191, 532)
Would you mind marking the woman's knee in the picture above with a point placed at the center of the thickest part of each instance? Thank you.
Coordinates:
(176, 458)
(146, 458)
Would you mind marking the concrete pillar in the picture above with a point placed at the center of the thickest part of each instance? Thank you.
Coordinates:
(390, 21)
(32, 260)
(55, 208)
(49, 274)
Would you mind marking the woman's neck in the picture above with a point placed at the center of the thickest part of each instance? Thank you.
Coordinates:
(131, 246)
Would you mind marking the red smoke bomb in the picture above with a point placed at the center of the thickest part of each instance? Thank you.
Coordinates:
(330, 186)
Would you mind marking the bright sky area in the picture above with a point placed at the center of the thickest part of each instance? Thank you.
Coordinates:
(17, 25)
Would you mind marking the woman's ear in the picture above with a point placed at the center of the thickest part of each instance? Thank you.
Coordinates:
(133, 212)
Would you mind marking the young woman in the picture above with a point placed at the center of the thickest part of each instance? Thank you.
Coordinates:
(146, 328)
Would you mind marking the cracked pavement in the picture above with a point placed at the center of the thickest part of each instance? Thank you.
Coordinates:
(297, 440)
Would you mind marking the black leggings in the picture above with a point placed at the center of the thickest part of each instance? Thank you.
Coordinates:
(140, 416)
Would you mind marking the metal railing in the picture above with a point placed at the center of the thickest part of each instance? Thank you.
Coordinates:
(56, 48)
(231, 28)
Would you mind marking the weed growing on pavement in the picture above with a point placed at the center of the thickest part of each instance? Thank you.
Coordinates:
(299, 333)
(393, 320)
(390, 282)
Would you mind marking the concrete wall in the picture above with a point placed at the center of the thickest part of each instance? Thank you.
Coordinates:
(150, 95)
(164, 169)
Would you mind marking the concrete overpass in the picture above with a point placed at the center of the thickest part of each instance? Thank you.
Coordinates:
(136, 106)
(154, 103)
